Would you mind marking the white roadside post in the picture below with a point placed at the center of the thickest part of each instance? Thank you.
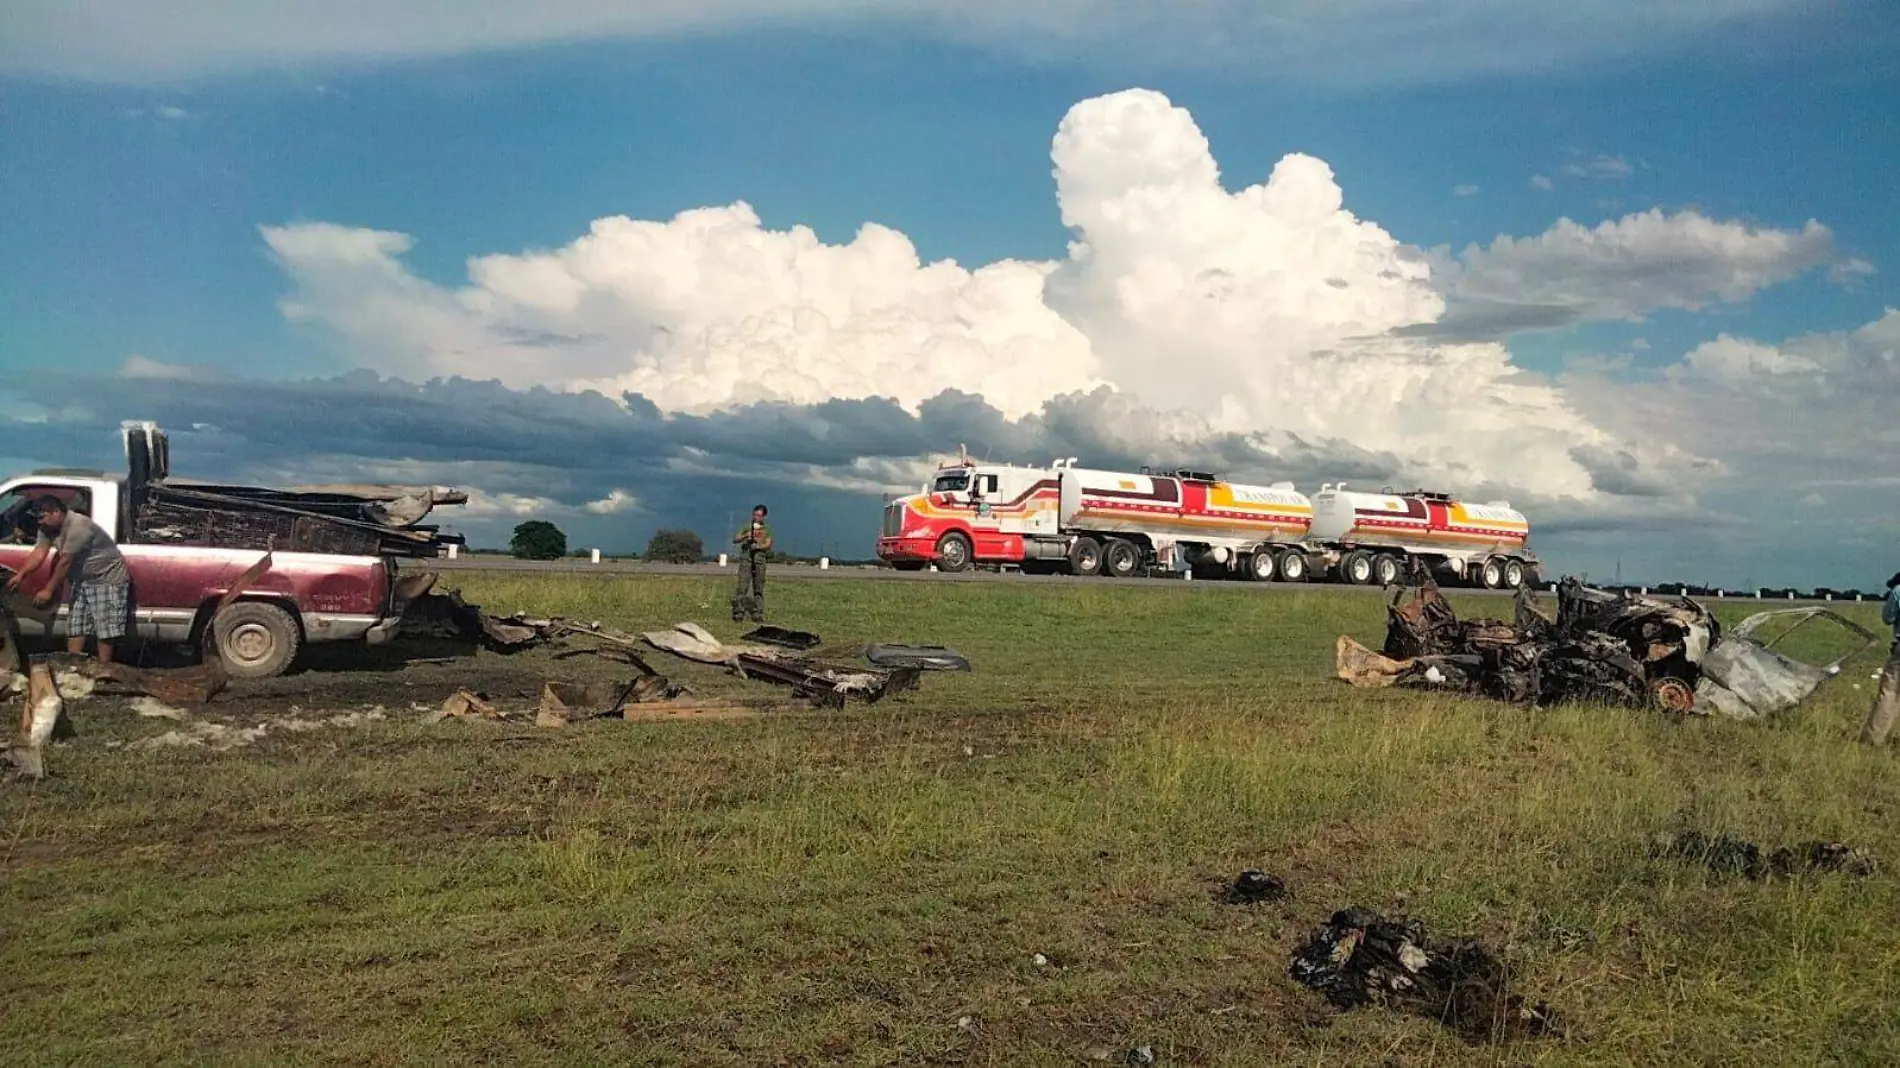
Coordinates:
(824, 563)
(722, 559)
(597, 556)
(452, 549)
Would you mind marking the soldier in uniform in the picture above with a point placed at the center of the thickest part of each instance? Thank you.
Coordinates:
(754, 541)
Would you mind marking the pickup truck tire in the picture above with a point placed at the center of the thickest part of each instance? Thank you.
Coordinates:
(255, 640)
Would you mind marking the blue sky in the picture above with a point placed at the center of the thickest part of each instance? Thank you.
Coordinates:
(137, 178)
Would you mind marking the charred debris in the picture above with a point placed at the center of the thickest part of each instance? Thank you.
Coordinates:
(789, 658)
(1617, 649)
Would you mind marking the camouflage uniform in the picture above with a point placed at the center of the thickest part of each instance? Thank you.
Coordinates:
(748, 596)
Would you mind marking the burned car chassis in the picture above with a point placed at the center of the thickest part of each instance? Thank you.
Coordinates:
(1602, 648)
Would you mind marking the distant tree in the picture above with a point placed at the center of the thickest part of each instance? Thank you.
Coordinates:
(675, 546)
(538, 539)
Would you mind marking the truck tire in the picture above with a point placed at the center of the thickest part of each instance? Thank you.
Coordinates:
(1292, 566)
(1386, 569)
(1491, 574)
(1260, 566)
(1085, 557)
(1120, 558)
(1356, 568)
(953, 553)
(255, 640)
(1514, 574)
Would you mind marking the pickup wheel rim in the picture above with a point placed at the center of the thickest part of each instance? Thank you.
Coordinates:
(250, 642)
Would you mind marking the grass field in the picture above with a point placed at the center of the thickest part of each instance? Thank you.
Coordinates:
(873, 886)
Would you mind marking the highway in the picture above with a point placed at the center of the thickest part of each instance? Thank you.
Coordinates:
(798, 572)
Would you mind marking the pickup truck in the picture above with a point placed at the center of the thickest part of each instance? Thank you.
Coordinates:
(304, 597)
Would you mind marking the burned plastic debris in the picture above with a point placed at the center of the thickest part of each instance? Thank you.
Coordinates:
(1733, 856)
(813, 679)
(1253, 886)
(790, 639)
(1362, 958)
(1602, 647)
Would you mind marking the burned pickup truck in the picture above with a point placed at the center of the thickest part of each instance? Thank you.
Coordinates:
(332, 576)
(1603, 648)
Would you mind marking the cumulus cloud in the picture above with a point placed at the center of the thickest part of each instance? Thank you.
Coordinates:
(1542, 181)
(1464, 190)
(1621, 269)
(1389, 40)
(617, 501)
(705, 309)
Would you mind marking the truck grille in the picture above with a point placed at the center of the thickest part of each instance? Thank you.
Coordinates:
(893, 520)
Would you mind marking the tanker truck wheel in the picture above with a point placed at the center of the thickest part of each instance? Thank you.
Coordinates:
(1386, 569)
(1514, 574)
(1292, 566)
(1491, 575)
(953, 553)
(1356, 568)
(1085, 557)
(1260, 566)
(1120, 558)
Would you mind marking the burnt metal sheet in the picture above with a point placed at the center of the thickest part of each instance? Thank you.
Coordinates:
(922, 657)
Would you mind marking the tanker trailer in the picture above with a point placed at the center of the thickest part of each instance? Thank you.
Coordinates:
(1365, 538)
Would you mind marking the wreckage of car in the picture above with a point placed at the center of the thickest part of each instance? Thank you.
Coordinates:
(1603, 647)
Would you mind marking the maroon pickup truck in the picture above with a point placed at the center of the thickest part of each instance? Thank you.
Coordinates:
(304, 597)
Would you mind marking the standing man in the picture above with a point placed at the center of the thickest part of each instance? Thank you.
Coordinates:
(1887, 700)
(101, 599)
(754, 541)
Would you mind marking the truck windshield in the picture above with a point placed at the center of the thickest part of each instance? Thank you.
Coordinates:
(955, 483)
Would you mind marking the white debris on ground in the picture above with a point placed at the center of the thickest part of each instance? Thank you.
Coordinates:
(219, 737)
(153, 708)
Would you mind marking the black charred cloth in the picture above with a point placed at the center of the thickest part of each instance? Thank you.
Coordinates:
(1252, 886)
(1733, 856)
(1362, 958)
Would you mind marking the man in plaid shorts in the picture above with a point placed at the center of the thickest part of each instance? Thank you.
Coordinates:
(101, 600)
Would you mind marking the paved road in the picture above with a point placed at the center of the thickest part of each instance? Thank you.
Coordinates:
(807, 571)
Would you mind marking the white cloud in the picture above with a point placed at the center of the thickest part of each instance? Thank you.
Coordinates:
(1389, 40)
(1601, 168)
(1540, 181)
(616, 502)
(704, 310)
(1737, 358)
(485, 505)
(1811, 409)
(172, 111)
(1464, 190)
(1626, 268)
(137, 366)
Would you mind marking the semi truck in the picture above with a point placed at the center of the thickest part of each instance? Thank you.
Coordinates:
(1067, 519)
(333, 556)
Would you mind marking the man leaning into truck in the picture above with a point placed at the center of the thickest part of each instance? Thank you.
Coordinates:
(101, 600)
(1887, 700)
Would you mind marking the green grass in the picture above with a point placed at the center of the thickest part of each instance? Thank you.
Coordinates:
(845, 887)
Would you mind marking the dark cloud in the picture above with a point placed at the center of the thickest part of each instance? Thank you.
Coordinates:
(823, 465)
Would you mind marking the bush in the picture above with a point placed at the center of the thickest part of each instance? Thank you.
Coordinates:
(538, 539)
(675, 546)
